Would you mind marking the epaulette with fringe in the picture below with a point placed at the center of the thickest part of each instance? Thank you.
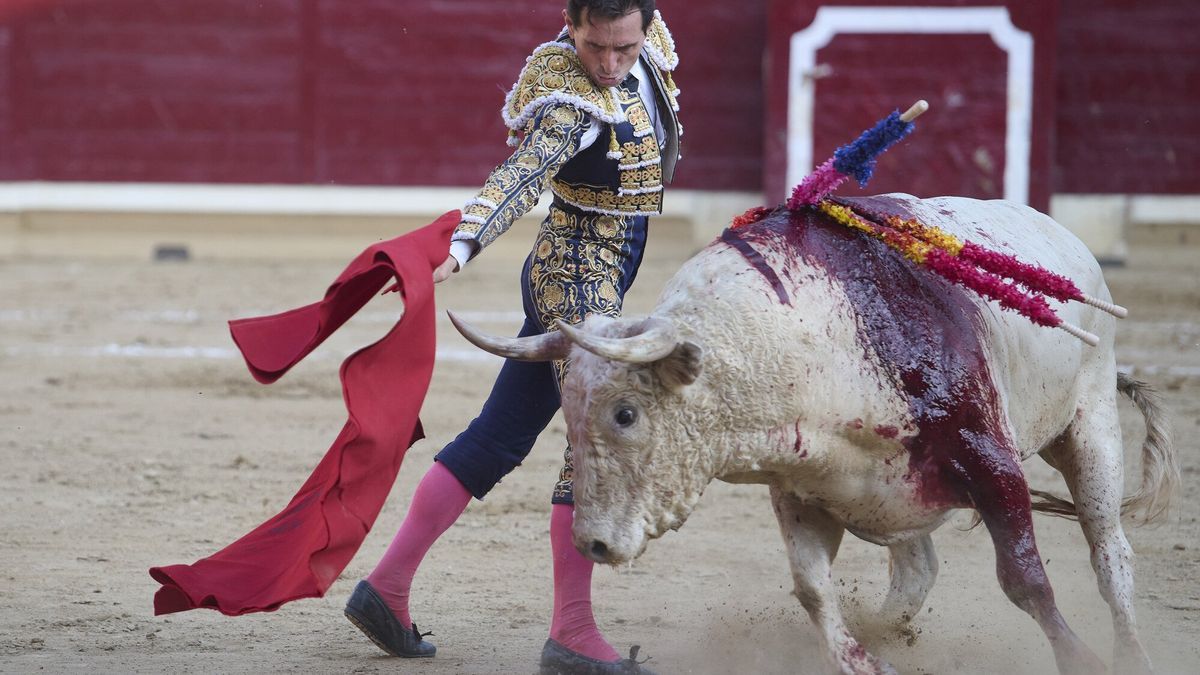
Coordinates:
(554, 74)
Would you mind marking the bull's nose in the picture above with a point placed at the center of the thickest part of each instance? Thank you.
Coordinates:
(598, 550)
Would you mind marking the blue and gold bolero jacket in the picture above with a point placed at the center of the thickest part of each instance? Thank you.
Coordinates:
(547, 112)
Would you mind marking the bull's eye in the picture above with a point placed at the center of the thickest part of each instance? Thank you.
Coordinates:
(625, 416)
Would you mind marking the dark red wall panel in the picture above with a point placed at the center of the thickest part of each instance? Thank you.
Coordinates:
(188, 90)
(721, 45)
(392, 92)
(325, 91)
(8, 166)
(1129, 97)
(11, 10)
(410, 93)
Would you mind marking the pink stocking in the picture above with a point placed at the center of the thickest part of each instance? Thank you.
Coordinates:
(437, 502)
(573, 625)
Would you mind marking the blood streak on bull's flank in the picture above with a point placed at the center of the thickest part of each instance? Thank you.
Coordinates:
(758, 262)
(926, 333)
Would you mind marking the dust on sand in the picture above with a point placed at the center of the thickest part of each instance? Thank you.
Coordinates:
(134, 437)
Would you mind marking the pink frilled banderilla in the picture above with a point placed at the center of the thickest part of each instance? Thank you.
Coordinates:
(989, 273)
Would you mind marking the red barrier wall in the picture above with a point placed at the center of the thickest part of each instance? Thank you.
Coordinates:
(392, 92)
(9, 160)
(1128, 117)
(324, 91)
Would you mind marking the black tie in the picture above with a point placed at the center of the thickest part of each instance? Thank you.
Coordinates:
(630, 85)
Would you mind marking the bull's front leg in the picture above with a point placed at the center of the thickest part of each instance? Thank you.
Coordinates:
(997, 487)
(812, 537)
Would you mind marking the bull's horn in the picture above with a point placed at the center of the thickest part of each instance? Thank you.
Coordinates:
(656, 341)
(544, 347)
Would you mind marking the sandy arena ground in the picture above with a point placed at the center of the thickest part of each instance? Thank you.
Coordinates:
(132, 436)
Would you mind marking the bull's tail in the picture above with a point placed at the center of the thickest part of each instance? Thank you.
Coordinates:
(1160, 468)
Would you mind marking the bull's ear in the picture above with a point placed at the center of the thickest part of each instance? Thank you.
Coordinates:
(681, 367)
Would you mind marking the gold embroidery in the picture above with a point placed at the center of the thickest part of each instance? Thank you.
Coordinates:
(660, 44)
(647, 148)
(660, 47)
(477, 210)
(554, 73)
(590, 250)
(553, 297)
(645, 178)
(605, 201)
(563, 116)
(564, 490)
(606, 226)
(640, 187)
(638, 116)
(576, 267)
(608, 291)
(516, 185)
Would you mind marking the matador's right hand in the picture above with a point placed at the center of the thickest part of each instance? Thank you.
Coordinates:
(445, 270)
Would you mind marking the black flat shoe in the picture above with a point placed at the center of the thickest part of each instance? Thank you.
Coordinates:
(367, 610)
(558, 660)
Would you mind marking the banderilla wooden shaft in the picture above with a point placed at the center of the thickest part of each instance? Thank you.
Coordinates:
(1116, 310)
(914, 111)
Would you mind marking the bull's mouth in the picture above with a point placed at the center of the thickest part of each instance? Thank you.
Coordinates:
(598, 540)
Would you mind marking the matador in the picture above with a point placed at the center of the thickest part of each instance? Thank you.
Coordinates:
(593, 116)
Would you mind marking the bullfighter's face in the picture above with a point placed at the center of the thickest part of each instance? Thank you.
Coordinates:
(608, 48)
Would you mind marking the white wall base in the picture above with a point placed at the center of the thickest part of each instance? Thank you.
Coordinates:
(1109, 224)
(130, 219)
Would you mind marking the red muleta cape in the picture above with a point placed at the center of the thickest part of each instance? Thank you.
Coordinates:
(300, 551)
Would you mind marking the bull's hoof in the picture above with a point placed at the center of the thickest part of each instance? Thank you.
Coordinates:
(558, 660)
(853, 659)
(371, 615)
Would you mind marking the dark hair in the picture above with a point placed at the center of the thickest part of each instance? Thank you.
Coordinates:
(610, 9)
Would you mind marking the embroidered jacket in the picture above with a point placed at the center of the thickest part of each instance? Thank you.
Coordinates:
(548, 111)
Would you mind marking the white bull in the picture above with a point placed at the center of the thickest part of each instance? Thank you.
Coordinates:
(871, 396)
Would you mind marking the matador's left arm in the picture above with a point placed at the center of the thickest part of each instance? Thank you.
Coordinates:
(553, 137)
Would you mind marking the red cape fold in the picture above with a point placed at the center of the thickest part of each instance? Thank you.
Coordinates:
(301, 550)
